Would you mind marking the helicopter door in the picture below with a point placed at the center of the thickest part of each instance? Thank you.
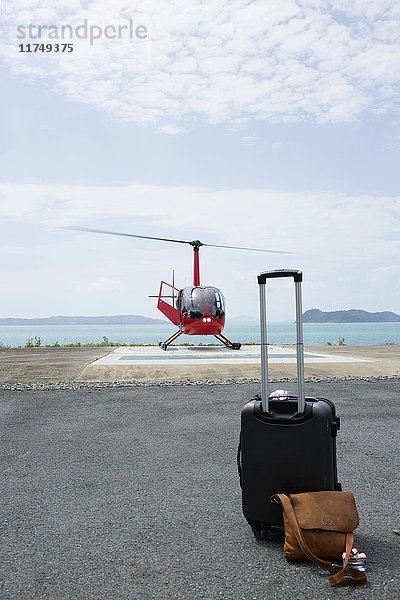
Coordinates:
(168, 302)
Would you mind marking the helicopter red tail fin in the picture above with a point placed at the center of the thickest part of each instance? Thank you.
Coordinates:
(168, 302)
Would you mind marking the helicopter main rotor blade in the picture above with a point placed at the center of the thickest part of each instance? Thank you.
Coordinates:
(145, 237)
(252, 249)
(194, 243)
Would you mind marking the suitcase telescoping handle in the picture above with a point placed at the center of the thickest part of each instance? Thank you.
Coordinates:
(262, 279)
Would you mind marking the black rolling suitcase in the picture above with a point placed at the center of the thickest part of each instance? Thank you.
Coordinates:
(287, 444)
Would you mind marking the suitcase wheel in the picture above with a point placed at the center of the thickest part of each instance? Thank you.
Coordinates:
(260, 534)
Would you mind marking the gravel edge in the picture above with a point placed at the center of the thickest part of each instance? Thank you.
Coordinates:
(88, 385)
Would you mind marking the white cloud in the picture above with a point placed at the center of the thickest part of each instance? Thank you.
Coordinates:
(220, 62)
(170, 129)
(248, 140)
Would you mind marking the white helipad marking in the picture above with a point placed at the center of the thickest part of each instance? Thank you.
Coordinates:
(130, 355)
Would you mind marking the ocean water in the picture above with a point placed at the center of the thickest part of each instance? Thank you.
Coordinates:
(278, 333)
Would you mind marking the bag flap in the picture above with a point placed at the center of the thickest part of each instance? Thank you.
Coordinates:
(331, 511)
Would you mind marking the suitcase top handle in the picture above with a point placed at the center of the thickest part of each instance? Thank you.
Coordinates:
(297, 275)
(262, 278)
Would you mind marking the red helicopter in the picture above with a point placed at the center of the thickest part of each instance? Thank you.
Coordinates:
(195, 309)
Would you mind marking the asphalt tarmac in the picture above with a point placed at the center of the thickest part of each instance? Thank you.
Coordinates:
(132, 493)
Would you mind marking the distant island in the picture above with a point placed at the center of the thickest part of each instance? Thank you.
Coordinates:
(107, 320)
(349, 316)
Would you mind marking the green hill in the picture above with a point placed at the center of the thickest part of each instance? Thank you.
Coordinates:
(349, 316)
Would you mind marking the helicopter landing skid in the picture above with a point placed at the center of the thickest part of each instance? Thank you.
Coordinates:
(220, 338)
(228, 343)
(168, 341)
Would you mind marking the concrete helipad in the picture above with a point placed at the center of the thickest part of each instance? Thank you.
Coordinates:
(135, 355)
(210, 362)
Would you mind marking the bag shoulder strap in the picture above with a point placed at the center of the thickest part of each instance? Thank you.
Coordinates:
(337, 578)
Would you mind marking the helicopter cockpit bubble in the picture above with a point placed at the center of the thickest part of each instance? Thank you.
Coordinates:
(215, 303)
(198, 301)
(193, 303)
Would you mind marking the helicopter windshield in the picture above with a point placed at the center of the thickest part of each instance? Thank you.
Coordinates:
(215, 303)
(193, 304)
(197, 301)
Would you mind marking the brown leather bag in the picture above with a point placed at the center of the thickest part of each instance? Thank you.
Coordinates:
(319, 526)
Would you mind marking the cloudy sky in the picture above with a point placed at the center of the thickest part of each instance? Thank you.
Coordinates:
(252, 123)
